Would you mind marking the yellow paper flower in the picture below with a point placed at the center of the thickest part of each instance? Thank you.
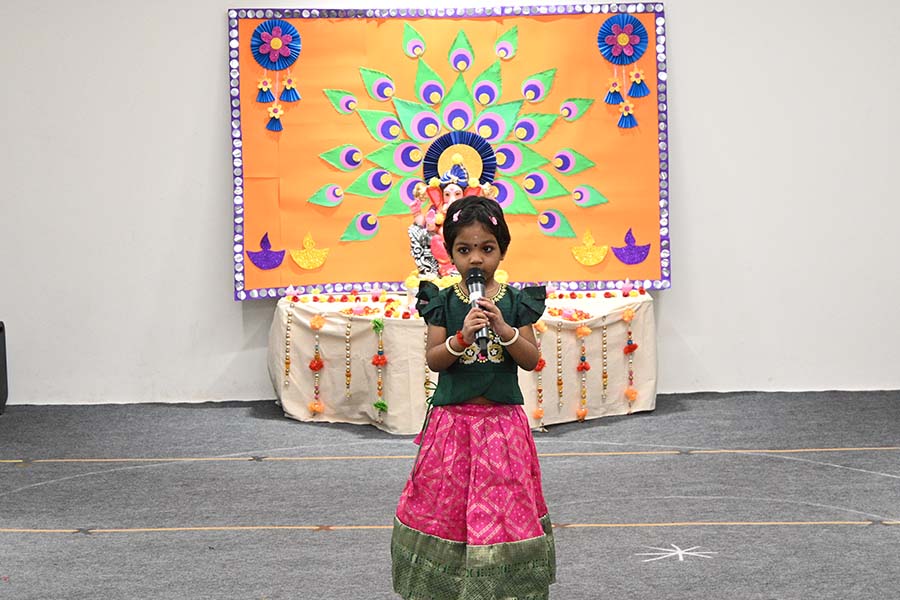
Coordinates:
(317, 322)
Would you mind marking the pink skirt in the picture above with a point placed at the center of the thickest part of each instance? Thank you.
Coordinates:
(472, 521)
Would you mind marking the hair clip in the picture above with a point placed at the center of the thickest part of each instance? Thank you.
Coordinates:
(494, 220)
(456, 216)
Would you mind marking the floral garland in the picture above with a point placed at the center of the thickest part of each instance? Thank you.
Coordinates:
(316, 365)
(583, 367)
(539, 328)
(631, 393)
(569, 314)
(380, 361)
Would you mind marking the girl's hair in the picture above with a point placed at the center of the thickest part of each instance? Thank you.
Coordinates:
(476, 209)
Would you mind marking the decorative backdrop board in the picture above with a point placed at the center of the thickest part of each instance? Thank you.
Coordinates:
(348, 124)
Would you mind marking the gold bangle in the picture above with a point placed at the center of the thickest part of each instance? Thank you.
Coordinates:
(512, 340)
(450, 348)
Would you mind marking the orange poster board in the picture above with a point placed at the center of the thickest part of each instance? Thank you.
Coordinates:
(337, 115)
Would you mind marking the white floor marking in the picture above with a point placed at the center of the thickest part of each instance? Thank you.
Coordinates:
(675, 552)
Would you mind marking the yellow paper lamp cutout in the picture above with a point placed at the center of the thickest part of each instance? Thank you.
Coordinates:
(501, 276)
(310, 257)
(588, 254)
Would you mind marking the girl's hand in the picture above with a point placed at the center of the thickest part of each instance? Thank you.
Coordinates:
(474, 321)
(495, 318)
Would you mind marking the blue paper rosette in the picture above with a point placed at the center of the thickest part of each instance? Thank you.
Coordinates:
(622, 39)
(275, 44)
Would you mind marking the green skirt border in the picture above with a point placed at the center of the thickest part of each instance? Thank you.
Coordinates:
(425, 567)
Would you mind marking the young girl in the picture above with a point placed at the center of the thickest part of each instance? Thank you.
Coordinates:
(472, 522)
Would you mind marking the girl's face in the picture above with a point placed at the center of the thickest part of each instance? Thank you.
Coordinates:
(476, 246)
(452, 193)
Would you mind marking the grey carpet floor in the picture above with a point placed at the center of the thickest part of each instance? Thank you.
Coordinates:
(711, 496)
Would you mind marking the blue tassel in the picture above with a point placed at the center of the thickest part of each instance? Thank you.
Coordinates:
(274, 125)
(613, 97)
(638, 89)
(289, 95)
(264, 96)
(627, 121)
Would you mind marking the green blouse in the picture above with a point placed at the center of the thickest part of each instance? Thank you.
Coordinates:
(495, 377)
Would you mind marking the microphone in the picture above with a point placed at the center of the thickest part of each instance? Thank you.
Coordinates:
(475, 283)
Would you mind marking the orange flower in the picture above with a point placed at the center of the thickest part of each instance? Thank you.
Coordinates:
(538, 413)
(631, 394)
(582, 331)
(316, 407)
(581, 413)
(316, 364)
(540, 327)
(317, 322)
(628, 315)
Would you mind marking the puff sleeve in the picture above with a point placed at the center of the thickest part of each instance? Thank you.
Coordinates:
(530, 305)
(430, 304)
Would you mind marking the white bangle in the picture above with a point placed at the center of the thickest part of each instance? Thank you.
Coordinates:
(511, 340)
(450, 348)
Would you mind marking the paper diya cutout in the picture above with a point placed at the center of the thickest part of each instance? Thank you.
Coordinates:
(588, 253)
(363, 227)
(631, 253)
(309, 257)
(266, 258)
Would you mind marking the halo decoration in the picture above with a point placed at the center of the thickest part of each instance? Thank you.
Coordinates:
(429, 86)
(458, 110)
(401, 158)
(461, 55)
(514, 158)
(638, 88)
(343, 101)
(508, 44)
(622, 39)
(569, 161)
(381, 124)
(374, 183)
(275, 44)
(379, 85)
(586, 196)
(329, 195)
(266, 258)
(513, 199)
(554, 224)
(573, 109)
(362, 227)
(477, 154)
(421, 123)
(346, 157)
(495, 123)
(631, 253)
(541, 185)
(487, 87)
(536, 87)
(413, 42)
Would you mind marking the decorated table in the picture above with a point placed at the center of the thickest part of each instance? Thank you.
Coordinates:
(360, 358)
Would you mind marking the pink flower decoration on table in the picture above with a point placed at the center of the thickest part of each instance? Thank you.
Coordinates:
(622, 40)
(275, 44)
(627, 287)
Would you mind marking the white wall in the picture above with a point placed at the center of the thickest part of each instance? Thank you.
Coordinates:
(114, 118)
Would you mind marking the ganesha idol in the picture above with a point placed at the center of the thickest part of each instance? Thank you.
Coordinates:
(432, 199)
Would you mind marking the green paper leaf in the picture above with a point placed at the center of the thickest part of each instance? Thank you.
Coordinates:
(420, 121)
(488, 87)
(531, 127)
(569, 161)
(430, 88)
(343, 101)
(553, 223)
(494, 123)
(379, 85)
(328, 195)
(541, 185)
(381, 125)
(461, 55)
(413, 42)
(387, 157)
(513, 199)
(586, 196)
(458, 111)
(362, 185)
(573, 109)
(394, 205)
(363, 226)
(536, 87)
(343, 157)
(507, 45)
(514, 158)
